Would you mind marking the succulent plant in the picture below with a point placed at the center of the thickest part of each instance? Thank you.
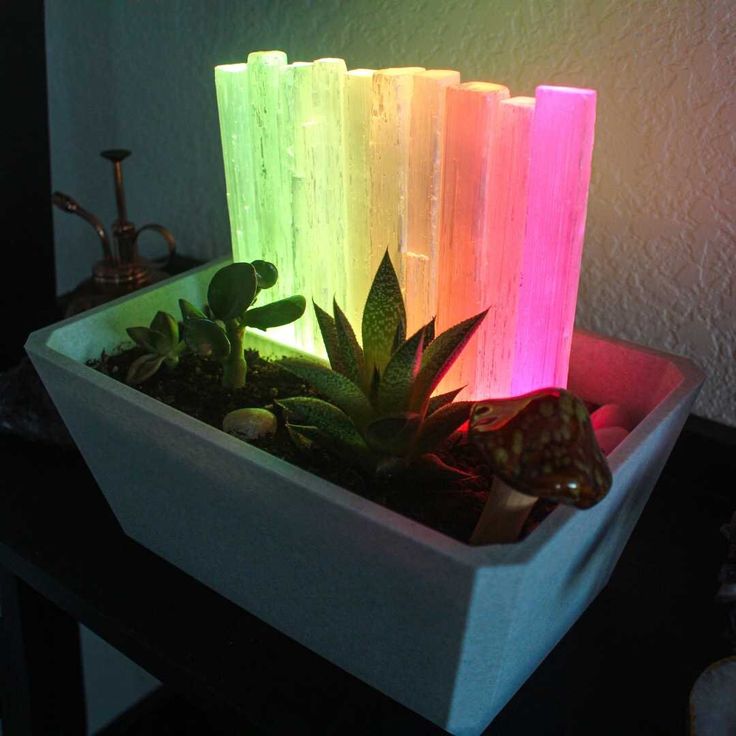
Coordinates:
(379, 410)
(220, 330)
(161, 344)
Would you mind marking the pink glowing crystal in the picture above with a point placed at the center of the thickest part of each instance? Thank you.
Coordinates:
(559, 175)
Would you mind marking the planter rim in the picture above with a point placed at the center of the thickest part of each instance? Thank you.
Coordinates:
(471, 556)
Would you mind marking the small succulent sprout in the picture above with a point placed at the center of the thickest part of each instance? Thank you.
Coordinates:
(540, 445)
(219, 329)
(378, 410)
(161, 345)
(250, 423)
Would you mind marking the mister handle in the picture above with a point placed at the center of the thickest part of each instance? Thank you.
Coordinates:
(167, 235)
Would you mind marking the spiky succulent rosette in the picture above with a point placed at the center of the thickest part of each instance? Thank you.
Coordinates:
(378, 410)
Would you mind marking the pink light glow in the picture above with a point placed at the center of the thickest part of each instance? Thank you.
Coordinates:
(559, 175)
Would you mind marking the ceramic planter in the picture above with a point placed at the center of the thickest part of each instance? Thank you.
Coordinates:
(447, 629)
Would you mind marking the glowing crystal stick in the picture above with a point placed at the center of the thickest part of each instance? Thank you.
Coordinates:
(503, 249)
(358, 100)
(273, 192)
(304, 215)
(426, 155)
(231, 84)
(471, 123)
(389, 149)
(327, 258)
(418, 290)
(559, 174)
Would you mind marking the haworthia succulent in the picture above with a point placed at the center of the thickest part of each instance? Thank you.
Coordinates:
(383, 315)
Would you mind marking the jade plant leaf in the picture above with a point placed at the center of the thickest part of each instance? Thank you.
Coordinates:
(189, 311)
(275, 314)
(383, 317)
(219, 330)
(543, 444)
(232, 290)
(266, 274)
(207, 338)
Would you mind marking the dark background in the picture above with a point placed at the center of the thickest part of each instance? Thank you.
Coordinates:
(27, 276)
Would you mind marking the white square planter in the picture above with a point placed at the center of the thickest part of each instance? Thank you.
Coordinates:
(449, 630)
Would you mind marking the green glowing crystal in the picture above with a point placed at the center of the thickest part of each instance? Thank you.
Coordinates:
(284, 152)
(231, 83)
(328, 260)
(304, 211)
(273, 198)
(358, 101)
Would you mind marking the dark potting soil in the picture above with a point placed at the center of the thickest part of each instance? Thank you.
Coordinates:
(195, 388)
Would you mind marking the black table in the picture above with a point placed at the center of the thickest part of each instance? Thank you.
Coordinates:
(626, 667)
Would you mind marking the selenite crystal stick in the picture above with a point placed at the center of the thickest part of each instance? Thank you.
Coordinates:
(390, 126)
(426, 156)
(231, 84)
(304, 213)
(471, 123)
(503, 249)
(559, 175)
(328, 263)
(266, 74)
(357, 117)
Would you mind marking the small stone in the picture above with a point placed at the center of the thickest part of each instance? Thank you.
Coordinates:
(611, 415)
(610, 437)
(250, 424)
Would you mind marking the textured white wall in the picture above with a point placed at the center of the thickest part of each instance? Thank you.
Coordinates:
(659, 259)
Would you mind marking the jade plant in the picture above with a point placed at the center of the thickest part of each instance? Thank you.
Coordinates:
(378, 410)
(219, 331)
(161, 345)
